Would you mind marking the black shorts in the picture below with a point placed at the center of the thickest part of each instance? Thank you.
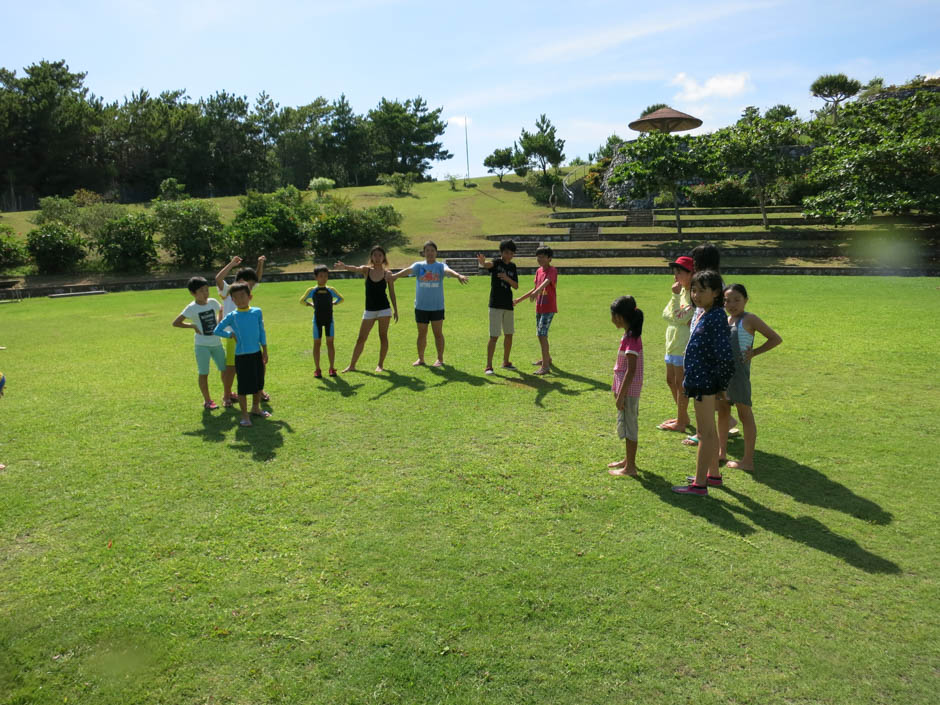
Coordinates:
(422, 316)
(250, 371)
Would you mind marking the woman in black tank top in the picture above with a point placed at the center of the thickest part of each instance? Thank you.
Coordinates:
(377, 304)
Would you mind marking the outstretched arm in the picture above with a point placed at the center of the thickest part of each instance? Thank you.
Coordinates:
(451, 273)
(361, 269)
(400, 273)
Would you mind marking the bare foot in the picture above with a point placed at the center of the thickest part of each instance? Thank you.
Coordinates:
(735, 465)
(438, 363)
(2, 466)
(617, 464)
(671, 426)
(620, 472)
(537, 362)
(379, 368)
(417, 363)
(350, 369)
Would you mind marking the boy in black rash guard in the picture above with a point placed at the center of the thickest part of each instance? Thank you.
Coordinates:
(322, 298)
(503, 279)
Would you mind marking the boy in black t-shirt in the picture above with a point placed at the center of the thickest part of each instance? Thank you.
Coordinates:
(503, 279)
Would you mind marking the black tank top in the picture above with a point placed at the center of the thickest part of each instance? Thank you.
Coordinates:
(376, 299)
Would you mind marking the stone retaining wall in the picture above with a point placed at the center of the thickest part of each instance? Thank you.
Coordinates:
(158, 284)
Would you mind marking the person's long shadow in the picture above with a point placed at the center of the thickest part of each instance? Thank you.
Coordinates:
(395, 380)
(340, 385)
(712, 509)
(554, 382)
(449, 374)
(262, 439)
(214, 426)
(809, 486)
(811, 532)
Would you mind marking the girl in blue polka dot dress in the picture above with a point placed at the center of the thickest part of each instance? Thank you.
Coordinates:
(709, 365)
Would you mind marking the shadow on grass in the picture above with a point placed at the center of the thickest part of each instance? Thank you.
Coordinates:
(511, 186)
(809, 486)
(806, 530)
(811, 533)
(712, 509)
(262, 439)
(339, 385)
(215, 426)
(395, 381)
(555, 382)
(449, 374)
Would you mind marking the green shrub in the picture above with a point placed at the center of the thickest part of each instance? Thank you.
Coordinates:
(539, 186)
(792, 191)
(321, 185)
(172, 190)
(55, 247)
(192, 231)
(666, 199)
(12, 252)
(401, 183)
(126, 244)
(84, 198)
(251, 237)
(92, 218)
(732, 192)
(343, 229)
(53, 209)
(286, 210)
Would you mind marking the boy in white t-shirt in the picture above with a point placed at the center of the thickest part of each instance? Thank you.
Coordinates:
(204, 313)
(251, 277)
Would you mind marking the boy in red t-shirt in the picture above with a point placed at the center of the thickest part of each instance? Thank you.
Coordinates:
(546, 303)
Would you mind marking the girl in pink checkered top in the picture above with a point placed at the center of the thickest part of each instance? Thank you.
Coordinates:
(628, 379)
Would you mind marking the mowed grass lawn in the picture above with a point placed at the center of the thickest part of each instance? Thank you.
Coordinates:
(425, 536)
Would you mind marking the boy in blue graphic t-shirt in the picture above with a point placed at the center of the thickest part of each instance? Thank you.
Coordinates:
(429, 299)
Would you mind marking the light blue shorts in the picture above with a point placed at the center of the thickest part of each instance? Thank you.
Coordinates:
(206, 352)
(675, 360)
(542, 322)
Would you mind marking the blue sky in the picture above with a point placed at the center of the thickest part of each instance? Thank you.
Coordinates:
(591, 65)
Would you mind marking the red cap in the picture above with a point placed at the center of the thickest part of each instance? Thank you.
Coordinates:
(686, 263)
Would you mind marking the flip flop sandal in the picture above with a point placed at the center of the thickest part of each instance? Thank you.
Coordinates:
(690, 441)
(264, 413)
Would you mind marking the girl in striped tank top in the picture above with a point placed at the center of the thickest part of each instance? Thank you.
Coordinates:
(743, 326)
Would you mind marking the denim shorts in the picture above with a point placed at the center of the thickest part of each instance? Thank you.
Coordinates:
(675, 360)
(542, 322)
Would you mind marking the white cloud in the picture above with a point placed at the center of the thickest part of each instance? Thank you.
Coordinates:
(459, 121)
(596, 40)
(935, 74)
(725, 85)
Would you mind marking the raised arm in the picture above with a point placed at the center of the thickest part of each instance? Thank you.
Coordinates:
(220, 277)
(753, 323)
(259, 270)
(483, 262)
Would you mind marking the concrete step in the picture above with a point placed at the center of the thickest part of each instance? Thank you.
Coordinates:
(468, 266)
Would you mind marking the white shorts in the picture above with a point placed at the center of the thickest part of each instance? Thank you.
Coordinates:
(372, 315)
(502, 321)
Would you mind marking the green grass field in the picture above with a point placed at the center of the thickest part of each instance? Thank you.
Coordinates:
(439, 536)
